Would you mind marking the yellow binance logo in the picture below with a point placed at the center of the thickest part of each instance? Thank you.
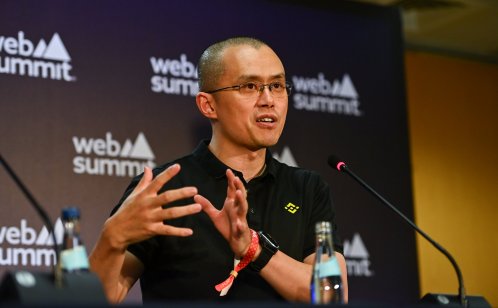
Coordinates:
(291, 208)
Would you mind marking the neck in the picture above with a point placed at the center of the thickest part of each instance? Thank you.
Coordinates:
(250, 163)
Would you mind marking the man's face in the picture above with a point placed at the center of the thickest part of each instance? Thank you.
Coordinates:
(252, 122)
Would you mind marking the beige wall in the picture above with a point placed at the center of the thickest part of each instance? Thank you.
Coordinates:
(453, 122)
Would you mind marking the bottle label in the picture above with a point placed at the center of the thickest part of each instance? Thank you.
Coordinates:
(74, 259)
(329, 268)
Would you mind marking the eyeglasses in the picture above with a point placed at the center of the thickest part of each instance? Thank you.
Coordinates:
(253, 89)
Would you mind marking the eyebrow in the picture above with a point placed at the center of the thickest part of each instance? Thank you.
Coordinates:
(255, 77)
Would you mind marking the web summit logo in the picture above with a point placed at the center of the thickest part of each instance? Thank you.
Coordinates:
(20, 56)
(22, 245)
(319, 94)
(286, 157)
(106, 156)
(357, 257)
(174, 76)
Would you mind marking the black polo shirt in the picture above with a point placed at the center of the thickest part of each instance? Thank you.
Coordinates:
(284, 201)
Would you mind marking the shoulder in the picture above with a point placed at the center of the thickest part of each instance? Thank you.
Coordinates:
(185, 162)
(297, 177)
(282, 170)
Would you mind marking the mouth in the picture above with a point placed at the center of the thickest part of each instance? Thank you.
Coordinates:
(266, 119)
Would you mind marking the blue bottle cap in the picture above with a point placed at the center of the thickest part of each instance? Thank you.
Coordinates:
(70, 213)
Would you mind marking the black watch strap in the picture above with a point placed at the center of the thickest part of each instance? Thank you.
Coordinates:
(268, 248)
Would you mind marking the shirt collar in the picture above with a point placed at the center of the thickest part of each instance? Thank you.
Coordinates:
(217, 169)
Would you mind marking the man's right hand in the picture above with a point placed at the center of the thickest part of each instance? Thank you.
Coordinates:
(143, 215)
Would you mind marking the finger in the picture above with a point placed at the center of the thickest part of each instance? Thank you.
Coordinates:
(163, 178)
(241, 204)
(163, 229)
(240, 186)
(240, 196)
(231, 208)
(180, 211)
(235, 221)
(231, 184)
(144, 181)
(175, 194)
(207, 206)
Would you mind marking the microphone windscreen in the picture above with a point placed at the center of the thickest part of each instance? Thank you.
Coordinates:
(333, 161)
(336, 163)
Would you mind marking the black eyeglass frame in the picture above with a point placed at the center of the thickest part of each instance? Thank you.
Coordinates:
(261, 87)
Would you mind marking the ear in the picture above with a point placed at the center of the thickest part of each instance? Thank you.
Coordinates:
(206, 104)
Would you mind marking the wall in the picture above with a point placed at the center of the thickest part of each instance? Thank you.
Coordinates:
(453, 113)
(92, 91)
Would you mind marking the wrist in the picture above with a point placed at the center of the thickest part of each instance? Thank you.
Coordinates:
(112, 237)
(267, 248)
(243, 262)
(258, 252)
(248, 246)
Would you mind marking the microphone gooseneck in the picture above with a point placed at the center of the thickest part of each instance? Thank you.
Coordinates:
(341, 166)
(44, 216)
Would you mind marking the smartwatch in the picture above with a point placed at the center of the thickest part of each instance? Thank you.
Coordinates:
(268, 248)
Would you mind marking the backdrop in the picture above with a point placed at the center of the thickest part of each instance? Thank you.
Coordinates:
(91, 92)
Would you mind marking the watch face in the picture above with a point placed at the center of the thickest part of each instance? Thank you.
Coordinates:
(268, 248)
(268, 239)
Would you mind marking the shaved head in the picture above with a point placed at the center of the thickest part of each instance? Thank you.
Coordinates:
(211, 66)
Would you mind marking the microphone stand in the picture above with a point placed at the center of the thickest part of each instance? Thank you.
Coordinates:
(56, 288)
(341, 166)
(57, 270)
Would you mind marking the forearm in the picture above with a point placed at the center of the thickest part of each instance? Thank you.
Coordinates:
(106, 260)
(344, 276)
(290, 278)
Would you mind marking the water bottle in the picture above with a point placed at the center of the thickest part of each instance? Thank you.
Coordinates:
(73, 253)
(326, 283)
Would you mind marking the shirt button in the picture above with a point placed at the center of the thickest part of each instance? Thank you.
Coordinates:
(251, 210)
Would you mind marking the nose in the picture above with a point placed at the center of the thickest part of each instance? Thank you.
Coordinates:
(266, 97)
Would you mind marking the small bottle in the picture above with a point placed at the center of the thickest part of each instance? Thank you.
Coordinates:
(73, 254)
(326, 283)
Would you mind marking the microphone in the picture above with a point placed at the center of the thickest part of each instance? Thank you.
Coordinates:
(341, 166)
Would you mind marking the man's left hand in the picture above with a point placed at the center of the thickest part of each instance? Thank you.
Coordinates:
(231, 220)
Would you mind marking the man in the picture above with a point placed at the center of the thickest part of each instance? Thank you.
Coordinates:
(180, 229)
